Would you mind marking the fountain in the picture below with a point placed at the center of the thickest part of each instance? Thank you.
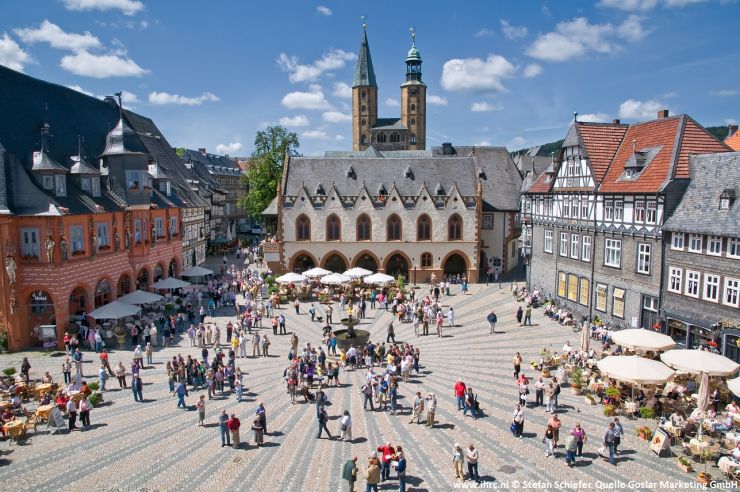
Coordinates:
(350, 336)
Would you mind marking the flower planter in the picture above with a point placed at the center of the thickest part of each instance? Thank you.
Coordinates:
(645, 437)
(685, 468)
(121, 339)
(704, 478)
(590, 401)
(577, 390)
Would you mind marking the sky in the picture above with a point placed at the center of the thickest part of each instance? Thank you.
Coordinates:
(212, 74)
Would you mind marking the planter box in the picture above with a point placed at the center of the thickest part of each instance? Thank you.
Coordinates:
(685, 468)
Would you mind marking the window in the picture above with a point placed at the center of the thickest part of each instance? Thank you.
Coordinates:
(675, 277)
(303, 228)
(380, 138)
(639, 212)
(137, 179)
(413, 107)
(733, 248)
(362, 108)
(173, 226)
(711, 287)
(692, 284)
(651, 214)
(137, 231)
(677, 240)
(77, 239)
(165, 187)
(584, 293)
(455, 226)
(426, 260)
(48, 182)
(618, 303)
(613, 253)
(601, 297)
(643, 258)
(572, 287)
(724, 203)
(566, 207)
(101, 229)
(584, 207)
(487, 221)
(609, 210)
(412, 121)
(95, 186)
(61, 184)
(424, 228)
(574, 245)
(364, 228)
(363, 140)
(85, 183)
(159, 227)
(561, 284)
(548, 241)
(618, 210)
(412, 140)
(695, 243)
(574, 207)
(714, 246)
(395, 138)
(29, 242)
(732, 292)
(563, 244)
(393, 232)
(586, 248)
(333, 228)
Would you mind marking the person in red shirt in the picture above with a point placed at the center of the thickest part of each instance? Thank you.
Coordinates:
(460, 394)
(386, 455)
(104, 361)
(233, 424)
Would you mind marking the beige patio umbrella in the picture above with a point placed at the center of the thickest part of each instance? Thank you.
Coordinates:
(700, 361)
(585, 339)
(734, 385)
(702, 398)
(634, 369)
(642, 340)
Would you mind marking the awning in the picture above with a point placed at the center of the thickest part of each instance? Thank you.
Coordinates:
(170, 283)
(196, 271)
(140, 297)
(114, 310)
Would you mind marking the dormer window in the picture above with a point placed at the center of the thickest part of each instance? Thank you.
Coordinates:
(48, 182)
(320, 190)
(165, 187)
(408, 173)
(351, 173)
(95, 182)
(439, 190)
(727, 199)
(85, 184)
(382, 190)
(60, 188)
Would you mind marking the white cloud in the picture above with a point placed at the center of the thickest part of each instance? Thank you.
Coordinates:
(475, 74)
(483, 143)
(229, 148)
(640, 110)
(484, 33)
(730, 121)
(297, 120)
(48, 32)
(512, 32)
(314, 99)
(392, 103)
(323, 10)
(338, 137)
(12, 55)
(593, 117)
(102, 66)
(724, 92)
(315, 135)
(483, 106)
(682, 3)
(332, 60)
(436, 100)
(578, 36)
(161, 98)
(342, 89)
(128, 7)
(336, 117)
(129, 97)
(517, 142)
(670, 95)
(532, 70)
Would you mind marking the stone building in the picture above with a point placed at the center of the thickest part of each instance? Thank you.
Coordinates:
(702, 257)
(594, 219)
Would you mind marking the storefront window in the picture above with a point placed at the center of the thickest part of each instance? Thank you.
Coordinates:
(677, 331)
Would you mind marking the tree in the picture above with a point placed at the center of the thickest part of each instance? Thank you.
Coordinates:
(271, 145)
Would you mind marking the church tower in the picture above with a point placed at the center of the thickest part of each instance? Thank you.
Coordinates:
(414, 100)
(364, 97)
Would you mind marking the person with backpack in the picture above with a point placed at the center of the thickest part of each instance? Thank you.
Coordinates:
(470, 399)
(571, 443)
(367, 392)
(349, 473)
(492, 319)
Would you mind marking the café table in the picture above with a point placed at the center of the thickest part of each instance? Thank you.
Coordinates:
(43, 411)
(14, 428)
(42, 388)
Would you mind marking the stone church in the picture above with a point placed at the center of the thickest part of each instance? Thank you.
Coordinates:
(390, 205)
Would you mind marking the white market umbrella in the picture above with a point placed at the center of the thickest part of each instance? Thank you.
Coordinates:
(290, 278)
(634, 369)
(378, 279)
(585, 340)
(700, 361)
(114, 310)
(335, 279)
(316, 272)
(734, 385)
(357, 272)
(702, 398)
(170, 283)
(196, 271)
(140, 297)
(641, 339)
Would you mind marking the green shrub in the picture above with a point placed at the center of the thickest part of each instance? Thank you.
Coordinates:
(95, 399)
(612, 392)
(9, 371)
(647, 413)
(93, 385)
(576, 377)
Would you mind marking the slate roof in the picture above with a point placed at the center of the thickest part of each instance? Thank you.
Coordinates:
(699, 212)
(215, 164)
(501, 179)
(271, 208)
(364, 72)
(388, 124)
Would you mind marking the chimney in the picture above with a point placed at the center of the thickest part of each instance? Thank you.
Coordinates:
(663, 113)
(634, 145)
(731, 130)
(616, 122)
(202, 151)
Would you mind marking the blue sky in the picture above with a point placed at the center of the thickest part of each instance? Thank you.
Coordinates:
(211, 74)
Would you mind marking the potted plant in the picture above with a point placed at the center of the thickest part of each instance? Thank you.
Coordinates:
(644, 432)
(613, 393)
(647, 413)
(590, 400)
(93, 385)
(685, 464)
(9, 371)
(609, 410)
(120, 332)
(96, 398)
(703, 477)
(169, 307)
(576, 380)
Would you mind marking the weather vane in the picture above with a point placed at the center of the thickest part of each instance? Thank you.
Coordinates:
(413, 34)
(364, 24)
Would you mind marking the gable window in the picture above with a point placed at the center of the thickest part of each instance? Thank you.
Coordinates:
(695, 243)
(692, 284)
(732, 292)
(30, 242)
(613, 253)
(618, 303)
(393, 229)
(426, 260)
(584, 207)
(574, 245)
(714, 246)
(643, 258)
(137, 179)
(101, 229)
(675, 278)
(572, 287)
(333, 228)
(455, 226)
(562, 279)
(95, 181)
(711, 287)
(584, 293)
(586, 248)
(424, 228)
(364, 226)
(77, 239)
(48, 182)
(563, 244)
(547, 244)
(137, 231)
(601, 297)
(85, 183)
(61, 185)
(733, 248)
(639, 212)
(609, 210)
(677, 240)
(651, 213)
(618, 210)
(303, 228)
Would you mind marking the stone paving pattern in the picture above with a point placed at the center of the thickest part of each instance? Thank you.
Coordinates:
(155, 446)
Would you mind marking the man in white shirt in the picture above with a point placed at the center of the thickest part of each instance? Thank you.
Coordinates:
(567, 347)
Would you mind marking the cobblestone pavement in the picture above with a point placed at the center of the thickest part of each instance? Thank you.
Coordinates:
(155, 446)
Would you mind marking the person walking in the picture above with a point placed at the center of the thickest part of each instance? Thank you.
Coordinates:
(349, 473)
(571, 445)
(519, 314)
(580, 435)
(181, 391)
(201, 407)
(322, 418)
(555, 423)
(492, 319)
(609, 442)
(85, 407)
(518, 419)
(618, 433)
(265, 345)
(262, 414)
(391, 334)
(431, 404)
(528, 315)
(548, 440)
(460, 394)
(418, 408)
(233, 424)
(345, 427)
(372, 474)
(367, 392)
(67, 371)
(457, 461)
(539, 392)
(102, 377)
(472, 456)
(470, 400)
(148, 352)
(517, 361)
(256, 345)
(329, 313)
(136, 388)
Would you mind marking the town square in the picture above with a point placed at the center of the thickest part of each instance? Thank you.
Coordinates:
(327, 247)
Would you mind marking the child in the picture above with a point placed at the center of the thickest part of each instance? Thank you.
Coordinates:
(238, 386)
(201, 406)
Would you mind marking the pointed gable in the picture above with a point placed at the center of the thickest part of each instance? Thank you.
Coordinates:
(600, 141)
(695, 140)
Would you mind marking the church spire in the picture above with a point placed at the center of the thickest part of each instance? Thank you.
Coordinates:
(364, 73)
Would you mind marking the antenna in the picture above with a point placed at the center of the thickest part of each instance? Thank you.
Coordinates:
(575, 116)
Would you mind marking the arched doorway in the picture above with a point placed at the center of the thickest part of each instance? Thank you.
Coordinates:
(102, 293)
(335, 263)
(397, 265)
(172, 270)
(142, 279)
(78, 301)
(158, 273)
(303, 262)
(455, 264)
(40, 312)
(366, 261)
(124, 285)
(483, 266)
